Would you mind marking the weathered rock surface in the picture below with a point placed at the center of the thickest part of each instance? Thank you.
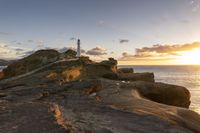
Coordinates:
(149, 77)
(72, 96)
(164, 93)
(98, 106)
(5, 62)
(125, 70)
(34, 61)
(66, 70)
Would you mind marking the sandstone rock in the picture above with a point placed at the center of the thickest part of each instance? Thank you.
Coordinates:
(40, 103)
(79, 70)
(98, 106)
(161, 93)
(1, 75)
(34, 61)
(52, 75)
(111, 63)
(98, 70)
(129, 97)
(66, 70)
(136, 77)
(85, 59)
(125, 70)
(71, 74)
(70, 54)
(112, 76)
(164, 93)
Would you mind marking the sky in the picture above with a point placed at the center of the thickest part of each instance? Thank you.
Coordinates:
(132, 31)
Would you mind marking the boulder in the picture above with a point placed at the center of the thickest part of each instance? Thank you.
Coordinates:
(136, 77)
(111, 63)
(158, 92)
(164, 93)
(112, 76)
(125, 70)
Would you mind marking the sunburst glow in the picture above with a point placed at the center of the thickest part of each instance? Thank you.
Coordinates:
(190, 57)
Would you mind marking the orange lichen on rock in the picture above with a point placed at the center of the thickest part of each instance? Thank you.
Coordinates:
(92, 89)
(71, 74)
(1, 75)
(98, 98)
(57, 114)
(52, 75)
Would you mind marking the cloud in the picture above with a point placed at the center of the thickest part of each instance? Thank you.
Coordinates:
(112, 52)
(123, 41)
(27, 53)
(11, 52)
(97, 51)
(30, 41)
(195, 5)
(101, 23)
(19, 43)
(159, 52)
(127, 56)
(72, 39)
(36, 41)
(145, 59)
(6, 33)
(40, 46)
(19, 49)
(40, 42)
(169, 48)
(185, 21)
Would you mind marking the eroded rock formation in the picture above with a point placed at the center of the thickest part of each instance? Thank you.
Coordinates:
(77, 96)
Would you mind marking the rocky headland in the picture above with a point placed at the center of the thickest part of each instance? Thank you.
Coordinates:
(52, 92)
(5, 62)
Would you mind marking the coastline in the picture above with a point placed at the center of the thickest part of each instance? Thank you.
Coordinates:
(184, 75)
(69, 94)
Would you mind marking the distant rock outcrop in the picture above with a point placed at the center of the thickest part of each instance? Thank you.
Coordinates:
(64, 65)
(27, 64)
(5, 62)
(136, 77)
(70, 54)
(81, 69)
(125, 70)
(163, 93)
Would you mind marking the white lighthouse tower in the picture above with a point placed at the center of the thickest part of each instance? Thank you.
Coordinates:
(78, 48)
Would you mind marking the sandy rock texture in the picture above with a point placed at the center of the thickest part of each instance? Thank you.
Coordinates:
(82, 96)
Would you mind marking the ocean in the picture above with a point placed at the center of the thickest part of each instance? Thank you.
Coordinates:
(187, 76)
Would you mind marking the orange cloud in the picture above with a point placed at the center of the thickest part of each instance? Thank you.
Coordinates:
(159, 53)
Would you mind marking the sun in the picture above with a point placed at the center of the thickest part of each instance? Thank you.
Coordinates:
(190, 57)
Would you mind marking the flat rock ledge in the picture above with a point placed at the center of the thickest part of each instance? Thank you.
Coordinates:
(97, 106)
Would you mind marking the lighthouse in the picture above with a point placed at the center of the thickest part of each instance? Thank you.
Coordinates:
(78, 48)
